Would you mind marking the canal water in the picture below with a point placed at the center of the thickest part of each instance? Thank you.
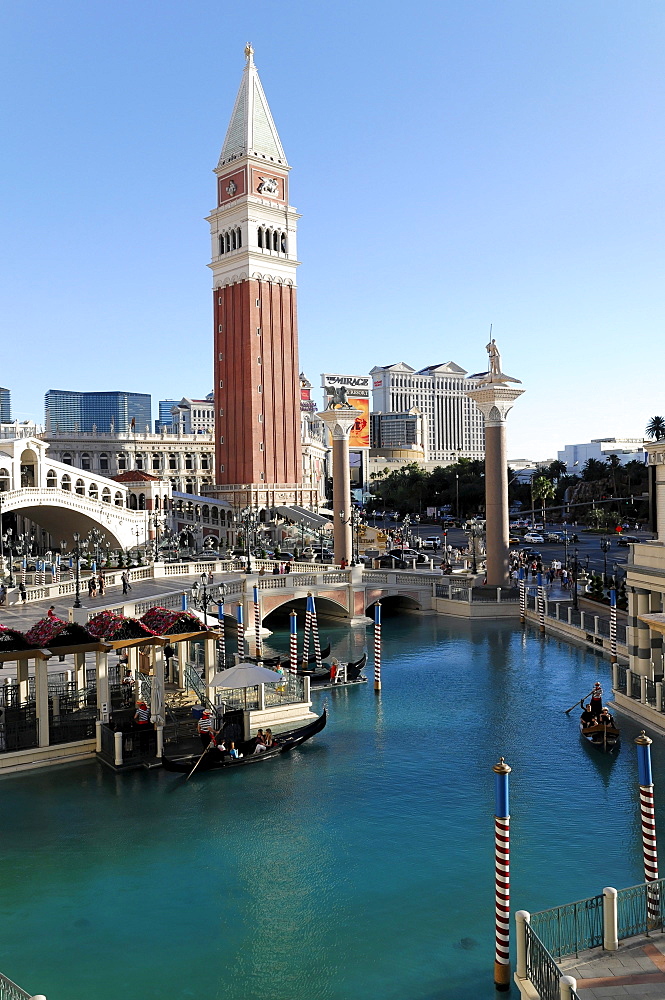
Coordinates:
(359, 866)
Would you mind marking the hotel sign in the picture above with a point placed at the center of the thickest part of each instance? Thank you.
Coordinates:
(356, 385)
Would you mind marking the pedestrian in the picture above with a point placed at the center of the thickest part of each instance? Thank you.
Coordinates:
(22, 592)
(206, 728)
(51, 612)
(92, 587)
(101, 583)
(127, 686)
(142, 723)
(3, 594)
(287, 567)
(126, 586)
(211, 578)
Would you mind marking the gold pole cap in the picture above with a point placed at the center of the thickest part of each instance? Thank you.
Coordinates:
(295, 613)
(643, 740)
(502, 767)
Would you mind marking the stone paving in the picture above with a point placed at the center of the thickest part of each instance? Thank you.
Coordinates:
(636, 970)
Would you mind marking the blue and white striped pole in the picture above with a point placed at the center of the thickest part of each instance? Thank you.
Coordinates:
(613, 625)
(221, 642)
(241, 632)
(648, 817)
(502, 875)
(293, 645)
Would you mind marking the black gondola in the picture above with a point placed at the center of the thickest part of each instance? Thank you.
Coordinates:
(353, 669)
(213, 760)
(601, 737)
(323, 676)
(275, 661)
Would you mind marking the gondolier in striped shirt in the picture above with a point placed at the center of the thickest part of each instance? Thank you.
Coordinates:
(206, 728)
(596, 700)
(142, 714)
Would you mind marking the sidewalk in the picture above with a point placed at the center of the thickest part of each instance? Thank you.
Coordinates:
(636, 970)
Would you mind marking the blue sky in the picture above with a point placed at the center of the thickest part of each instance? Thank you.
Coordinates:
(456, 164)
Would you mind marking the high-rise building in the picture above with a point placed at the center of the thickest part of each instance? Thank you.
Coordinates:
(254, 263)
(453, 426)
(97, 411)
(165, 419)
(5, 406)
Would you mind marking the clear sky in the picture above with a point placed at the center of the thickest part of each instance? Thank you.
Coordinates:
(456, 164)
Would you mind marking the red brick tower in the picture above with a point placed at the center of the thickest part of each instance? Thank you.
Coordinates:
(254, 262)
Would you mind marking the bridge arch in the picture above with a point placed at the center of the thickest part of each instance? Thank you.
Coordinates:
(325, 608)
(394, 604)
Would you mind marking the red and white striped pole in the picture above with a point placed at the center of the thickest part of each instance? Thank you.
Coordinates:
(377, 646)
(502, 875)
(649, 844)
(293, 646)
(257, 624)
(241, 632)
(308, 625)
(314, 625)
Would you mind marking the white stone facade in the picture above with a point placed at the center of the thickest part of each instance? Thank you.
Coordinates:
(453, 426)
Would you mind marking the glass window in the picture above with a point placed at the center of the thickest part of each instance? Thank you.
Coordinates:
(156, 461)
(85, 462)
(80, 487)
(173, 462)
(122, 461)
(103, 462)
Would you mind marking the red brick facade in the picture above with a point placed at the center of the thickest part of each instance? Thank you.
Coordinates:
(257, 418)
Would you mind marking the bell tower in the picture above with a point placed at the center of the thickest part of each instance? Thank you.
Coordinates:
(254, 263)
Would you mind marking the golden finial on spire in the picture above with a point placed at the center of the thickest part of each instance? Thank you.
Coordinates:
(249, 53)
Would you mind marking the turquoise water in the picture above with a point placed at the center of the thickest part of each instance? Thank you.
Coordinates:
(360, 866)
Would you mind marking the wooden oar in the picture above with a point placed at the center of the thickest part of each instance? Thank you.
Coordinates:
(211, 744)
(569, 710)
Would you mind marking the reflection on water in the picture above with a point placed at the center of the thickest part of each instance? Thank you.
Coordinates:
(359, 866)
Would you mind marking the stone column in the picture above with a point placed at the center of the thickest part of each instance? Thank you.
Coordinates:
(495, 400)
(41, 699)
(103, 690)
(339, 423)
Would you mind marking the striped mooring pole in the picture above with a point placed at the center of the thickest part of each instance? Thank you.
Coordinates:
(541, 603)
(221, 642)
(314, 625)
(649, 845)
(293, 644)
(522, 586)
(502, 875)
(241, 632)
(377, 646)
(613, 625)
(308, 626)
(257, 624)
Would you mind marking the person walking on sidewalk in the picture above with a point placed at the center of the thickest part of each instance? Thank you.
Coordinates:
(126, 586)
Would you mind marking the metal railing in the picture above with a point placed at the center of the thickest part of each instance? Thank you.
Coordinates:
(10, 991)
(569, 929)
(635, 686)
(622, 668)
(292, 690)
(541, 969)
(632, 915)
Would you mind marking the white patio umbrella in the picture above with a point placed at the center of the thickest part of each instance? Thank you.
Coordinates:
(156, 701)
(245, 675)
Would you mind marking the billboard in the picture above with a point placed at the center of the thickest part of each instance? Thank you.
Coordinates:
(357, 394)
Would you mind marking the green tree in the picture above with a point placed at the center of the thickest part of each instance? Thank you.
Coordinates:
(656, 428)
(594, 470)
(597, 588)
(556, 469)
(543, 490)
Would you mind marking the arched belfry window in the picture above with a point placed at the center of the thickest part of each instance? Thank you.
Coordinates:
(260, 238)
(234, 240)
(228, 242)
(283, 242)
(238, 231)
(275, 240)
(221, 243)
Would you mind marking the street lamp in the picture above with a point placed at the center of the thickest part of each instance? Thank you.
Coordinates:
(406, 524)
(354, 519)
(457, 496)
(8, 541)
(606, 545)
(574, 575)
(77, 556)
(249, 519)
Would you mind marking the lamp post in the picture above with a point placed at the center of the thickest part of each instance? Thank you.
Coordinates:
(202, 598)
(250, 519)
(354, 519)
(457, 496)
(8, 540)
(605, 545)
(574, 568)
(406, 524)
(77, 557)
(95, 538)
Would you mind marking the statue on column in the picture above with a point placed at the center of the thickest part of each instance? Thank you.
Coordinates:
(494, 375)
(495, 358)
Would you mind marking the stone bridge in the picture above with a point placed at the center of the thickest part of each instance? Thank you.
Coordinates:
(62, 499)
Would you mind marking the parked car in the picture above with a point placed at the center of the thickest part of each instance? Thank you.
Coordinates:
(432, 542)
(209, 555)
(534, 538)
(408, 554)
(555, 537)
(627, 540)
(391, 562)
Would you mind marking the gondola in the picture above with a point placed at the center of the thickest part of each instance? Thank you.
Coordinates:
(276, 661)
(214, 761)
(601, 737)
(322, 676)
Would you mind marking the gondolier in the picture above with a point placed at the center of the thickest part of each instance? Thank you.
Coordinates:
(206, 728)
(596, 700)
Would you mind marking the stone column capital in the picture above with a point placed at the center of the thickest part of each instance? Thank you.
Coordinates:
(494, 401)
(340, 422)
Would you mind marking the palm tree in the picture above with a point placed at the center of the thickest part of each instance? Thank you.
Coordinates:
(542, 489)
(656, 428)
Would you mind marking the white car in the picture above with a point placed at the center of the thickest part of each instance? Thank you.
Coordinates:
(534, 538)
